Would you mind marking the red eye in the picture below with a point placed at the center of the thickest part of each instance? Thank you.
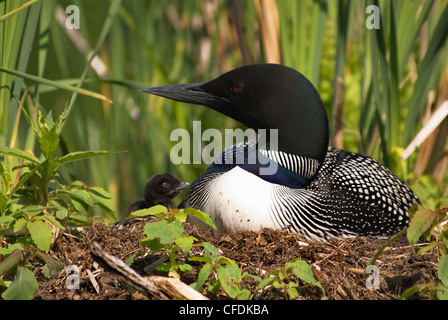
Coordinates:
(236, 88)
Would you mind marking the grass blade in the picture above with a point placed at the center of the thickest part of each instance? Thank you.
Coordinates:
(55, 84)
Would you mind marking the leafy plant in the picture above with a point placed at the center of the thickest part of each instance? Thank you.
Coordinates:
(36, 202)
(167, 235)
(431, 225)
(220, 272)
(226, 273)
(285, 278)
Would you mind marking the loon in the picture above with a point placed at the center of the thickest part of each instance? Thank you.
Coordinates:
(318, 191)
(160, 189)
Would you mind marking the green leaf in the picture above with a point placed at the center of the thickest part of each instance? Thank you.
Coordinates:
(226, 281)
(243, 294)
(102, 197)
(269, 280)
(55, 84)
(442, 292)
(19, 153)
(20, 224)
(210, 250)
(293, 292)
(164, 267)
(6, 219)
(47, 135)
(303, 271)
(442, 272)
(229, 275)
(10, 249)
(80, 155)
(185, 243)
(421, 221)
(184, 267)
(203, 275)
(154, 211)
(23, 287)
(201, 216)
(167, 232)
(153, 244)
(40, 233)
(79, 194)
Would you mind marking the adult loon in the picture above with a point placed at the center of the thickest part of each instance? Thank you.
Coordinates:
(317, 191)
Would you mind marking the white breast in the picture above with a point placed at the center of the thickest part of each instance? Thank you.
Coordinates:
(240, 200)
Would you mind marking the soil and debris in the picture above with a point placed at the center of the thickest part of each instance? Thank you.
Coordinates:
(339, 264)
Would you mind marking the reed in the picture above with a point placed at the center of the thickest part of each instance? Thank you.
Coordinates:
(380, 86)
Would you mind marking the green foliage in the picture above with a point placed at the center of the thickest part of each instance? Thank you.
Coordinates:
(432, 226)
(36, 201)
(167, 235)
(432, 194)
(219, 272)
(226, 274)
(283, 278)
(23, 287)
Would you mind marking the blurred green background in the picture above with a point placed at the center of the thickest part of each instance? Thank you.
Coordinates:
(380, 86)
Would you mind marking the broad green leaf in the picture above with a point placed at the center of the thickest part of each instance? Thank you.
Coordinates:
(293, 292)
(164, 267)
(269, 280)
(23, 287)
(10, 249)
(303, 271)
(48, 141)
(442, 272)
(40, 233)
(210, 250)
(421, 221)
(184, 267)
(167, 232)
(20, 224)
(185, 243)
(203, 275)
(102, 197)
(80, 194)
(154, 211)
(442, 292)
(226, 278)
(6, 219)
(153, 244)
(201, 216)
(243, 294)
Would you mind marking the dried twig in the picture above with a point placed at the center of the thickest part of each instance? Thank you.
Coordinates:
(159, 288)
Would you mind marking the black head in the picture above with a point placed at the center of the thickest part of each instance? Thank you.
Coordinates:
(164, 186)
(264, 96)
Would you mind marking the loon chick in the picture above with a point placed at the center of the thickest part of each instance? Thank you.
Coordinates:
(317, 191)
(160, 189)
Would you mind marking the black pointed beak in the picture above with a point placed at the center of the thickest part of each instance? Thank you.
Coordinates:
(182, 185)
(189, 93)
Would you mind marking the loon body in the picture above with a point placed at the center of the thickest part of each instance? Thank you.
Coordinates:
(318, 191)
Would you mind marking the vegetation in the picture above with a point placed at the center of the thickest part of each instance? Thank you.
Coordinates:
(167, 236)
(381, 87)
